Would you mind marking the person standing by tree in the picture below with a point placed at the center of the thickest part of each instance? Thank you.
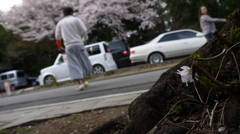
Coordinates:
(207, 23)
(73, 32)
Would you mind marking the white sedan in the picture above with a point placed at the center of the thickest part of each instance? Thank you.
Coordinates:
(168, 45)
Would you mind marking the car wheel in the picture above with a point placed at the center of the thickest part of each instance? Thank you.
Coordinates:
(98, 69)
(49, 80)
(155, 58)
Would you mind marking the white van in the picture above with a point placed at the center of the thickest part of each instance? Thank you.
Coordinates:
(99, 56)
(18, 78)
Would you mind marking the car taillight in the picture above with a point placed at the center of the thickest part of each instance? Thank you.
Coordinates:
(125, 53)
(132, 52)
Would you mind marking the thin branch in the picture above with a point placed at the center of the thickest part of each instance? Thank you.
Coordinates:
(222, 39)
(236, 65)
(222, 113)
(155, 127)
(171, 86)
(205, 117)
(220, 84)
(233, 46)
(212, 114)
(211, 58)
(190, 131)
(197, 92)
(176, 125)
(208, 95)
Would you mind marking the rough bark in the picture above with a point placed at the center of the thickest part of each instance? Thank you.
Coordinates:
(151, 109)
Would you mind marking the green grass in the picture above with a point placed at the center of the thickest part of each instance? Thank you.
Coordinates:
(3, 132)
(21, 130)
(73, 116)
(108, 73)
(55, 121)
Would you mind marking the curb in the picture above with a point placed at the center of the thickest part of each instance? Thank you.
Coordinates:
(16, 117)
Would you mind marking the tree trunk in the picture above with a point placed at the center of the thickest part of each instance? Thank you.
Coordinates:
(172, 107)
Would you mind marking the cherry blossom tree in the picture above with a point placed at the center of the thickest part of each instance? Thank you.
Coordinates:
(36, 20)
(111, 13)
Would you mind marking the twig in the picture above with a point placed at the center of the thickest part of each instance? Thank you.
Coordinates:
(212, 114)
(204, 120)
(190, 131)
(236, 65)
(171, 86)
(155, 127)
(197, 92)
(222, 113)
(222, 39)
(169, 112)
(211, 58)
(208, 95)
(176, 125)
(220, 84)
(233, 46)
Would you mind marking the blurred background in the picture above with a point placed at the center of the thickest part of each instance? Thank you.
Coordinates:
(27, 28)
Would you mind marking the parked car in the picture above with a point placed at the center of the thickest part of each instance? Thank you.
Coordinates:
(32, 81)
(18, 78)
(99, 55)
(121, 51)
(168, 45)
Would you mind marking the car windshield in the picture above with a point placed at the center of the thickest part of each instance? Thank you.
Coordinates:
(115, 46)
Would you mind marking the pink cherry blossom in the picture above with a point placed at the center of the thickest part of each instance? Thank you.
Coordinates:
(35, 20)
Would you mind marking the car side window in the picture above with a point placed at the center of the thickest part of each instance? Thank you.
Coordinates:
(93, 50)
(10, 75)
(60, 60)
(106, 48)
(186, 34)
(169, 37)
(3, 77)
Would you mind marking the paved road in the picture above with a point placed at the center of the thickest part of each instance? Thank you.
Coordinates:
(136, 82)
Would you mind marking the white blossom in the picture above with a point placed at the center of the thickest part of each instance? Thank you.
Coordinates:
(186, 74)
(35, 20)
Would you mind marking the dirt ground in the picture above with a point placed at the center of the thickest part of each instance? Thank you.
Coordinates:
(79, 123)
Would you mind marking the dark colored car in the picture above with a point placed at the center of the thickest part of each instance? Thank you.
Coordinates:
(120, 51)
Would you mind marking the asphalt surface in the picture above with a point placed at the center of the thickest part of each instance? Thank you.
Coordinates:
(123, 84)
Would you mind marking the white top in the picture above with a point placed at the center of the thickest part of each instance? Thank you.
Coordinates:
(7, 87)
(71, 29)
(207, 23)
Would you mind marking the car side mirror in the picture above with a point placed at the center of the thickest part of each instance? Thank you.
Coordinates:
(199, 35)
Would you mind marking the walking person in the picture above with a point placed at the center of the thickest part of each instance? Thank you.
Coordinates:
(207, 23)
(73, 32)
(8, 89)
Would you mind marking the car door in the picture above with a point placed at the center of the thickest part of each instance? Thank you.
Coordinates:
(61, 69)
(117, 49)
(190, 41)
(94, 53)
(170, 45)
